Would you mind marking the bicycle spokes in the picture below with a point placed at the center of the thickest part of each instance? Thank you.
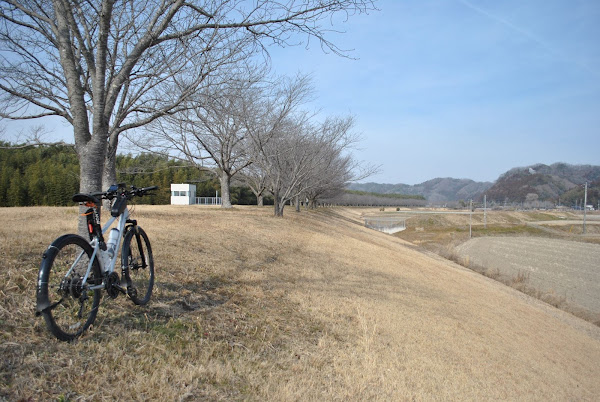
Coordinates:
(138, 265)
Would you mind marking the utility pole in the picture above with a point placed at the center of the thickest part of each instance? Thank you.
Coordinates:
(470, 218)
(584, 206)
(485, 211)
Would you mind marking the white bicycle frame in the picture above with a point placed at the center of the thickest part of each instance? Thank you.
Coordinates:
(122, 221)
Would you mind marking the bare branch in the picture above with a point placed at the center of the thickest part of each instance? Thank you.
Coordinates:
(34, 138)
(109, 66)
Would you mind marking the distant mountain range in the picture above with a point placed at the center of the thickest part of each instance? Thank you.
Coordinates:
(531, 183)
(435, 191)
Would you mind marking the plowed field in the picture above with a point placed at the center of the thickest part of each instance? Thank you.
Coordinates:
(567, 268)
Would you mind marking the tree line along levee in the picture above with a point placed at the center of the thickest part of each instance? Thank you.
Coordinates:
(49, 176)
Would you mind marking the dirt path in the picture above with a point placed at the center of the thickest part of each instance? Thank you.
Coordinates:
(594, 221)
(567, 268)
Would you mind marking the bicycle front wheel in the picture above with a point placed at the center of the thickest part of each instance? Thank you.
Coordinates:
(138, 265)
(67, 304)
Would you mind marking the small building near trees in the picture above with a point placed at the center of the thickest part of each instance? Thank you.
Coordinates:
(183, 194)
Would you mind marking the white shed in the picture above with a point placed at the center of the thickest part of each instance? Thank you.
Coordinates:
(183, 194)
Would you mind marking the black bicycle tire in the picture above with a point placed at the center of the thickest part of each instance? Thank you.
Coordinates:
(45, 305)
(141, 236)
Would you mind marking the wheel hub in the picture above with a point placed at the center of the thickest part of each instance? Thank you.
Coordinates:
(72, 286)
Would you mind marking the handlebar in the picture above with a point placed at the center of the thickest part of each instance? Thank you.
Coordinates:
(114, 191)
(139, 192)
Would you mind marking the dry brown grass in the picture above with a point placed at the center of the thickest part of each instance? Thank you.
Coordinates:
(309, 307)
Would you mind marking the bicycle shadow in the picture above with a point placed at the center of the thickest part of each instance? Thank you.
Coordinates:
(169, 301)
(174, 299)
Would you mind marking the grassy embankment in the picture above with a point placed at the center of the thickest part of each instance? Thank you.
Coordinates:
(308, 307)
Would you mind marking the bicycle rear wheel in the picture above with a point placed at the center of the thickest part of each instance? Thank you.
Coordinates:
(138, 265)
(68, 306)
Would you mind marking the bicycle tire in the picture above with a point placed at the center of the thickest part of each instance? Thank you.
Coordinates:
(138, 265)
(68, 307)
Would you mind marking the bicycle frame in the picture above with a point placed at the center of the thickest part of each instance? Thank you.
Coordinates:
(69, 302)
(122, 222)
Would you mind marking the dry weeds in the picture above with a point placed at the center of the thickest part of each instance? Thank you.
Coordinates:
(309, 307)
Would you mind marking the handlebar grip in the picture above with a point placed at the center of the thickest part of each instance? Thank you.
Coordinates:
(149, 188)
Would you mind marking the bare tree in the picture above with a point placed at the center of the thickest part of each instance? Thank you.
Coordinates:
(256, 179)
(210, 129)
(310, 160)
(330, 178)
(335, 167)
(285, 159)
(222, 124)
(108, 66)
(335, 175)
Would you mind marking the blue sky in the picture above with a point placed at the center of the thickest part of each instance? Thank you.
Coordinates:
(458, 88)
(464, 89)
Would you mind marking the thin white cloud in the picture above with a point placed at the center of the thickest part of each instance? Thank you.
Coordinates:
(545, 45)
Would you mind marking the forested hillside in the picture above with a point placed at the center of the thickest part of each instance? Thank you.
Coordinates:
(38, 176)
(49, 175)
(355, 198)
(557, 183)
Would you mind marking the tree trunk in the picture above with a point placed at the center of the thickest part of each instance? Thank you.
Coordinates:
(279, 210)
(225, 184)
(259, 196)
(91, 163)
(109, 173)
(278, 204)
(297, 203)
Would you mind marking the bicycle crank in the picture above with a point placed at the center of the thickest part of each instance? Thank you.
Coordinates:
(113, 287)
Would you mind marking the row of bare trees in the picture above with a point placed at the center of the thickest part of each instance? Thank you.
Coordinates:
(110, 66)
(255, 130)
(308, 160)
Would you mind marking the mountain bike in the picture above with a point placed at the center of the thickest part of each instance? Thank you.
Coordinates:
(75, 270)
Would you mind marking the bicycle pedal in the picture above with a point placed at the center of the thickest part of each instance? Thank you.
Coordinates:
(131, 292)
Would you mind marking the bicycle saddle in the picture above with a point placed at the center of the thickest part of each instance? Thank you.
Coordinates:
(85, 198)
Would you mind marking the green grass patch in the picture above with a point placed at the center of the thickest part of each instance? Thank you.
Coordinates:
(171, 329)
(507, 230)
(542, 216)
